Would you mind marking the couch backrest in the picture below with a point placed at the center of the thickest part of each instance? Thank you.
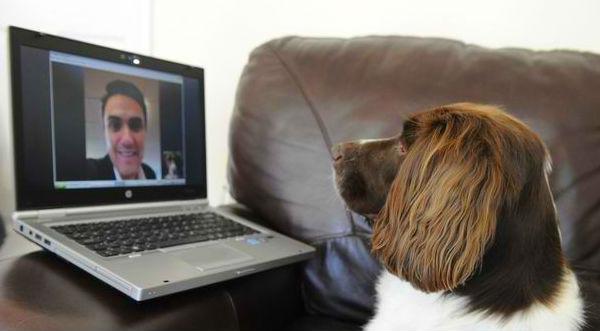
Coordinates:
(297, 96)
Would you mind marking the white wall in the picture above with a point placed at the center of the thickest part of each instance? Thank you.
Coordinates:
(97, 22)
(219, 35)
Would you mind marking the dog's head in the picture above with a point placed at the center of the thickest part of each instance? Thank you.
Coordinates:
(441, 188)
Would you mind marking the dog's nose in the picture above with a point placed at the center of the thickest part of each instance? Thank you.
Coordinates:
(342, 150)
(336, 152)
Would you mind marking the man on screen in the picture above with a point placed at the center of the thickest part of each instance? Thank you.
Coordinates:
(125, 124)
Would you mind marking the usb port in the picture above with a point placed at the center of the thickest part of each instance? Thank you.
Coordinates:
(21, 228)
(47, 242)
(38, 237)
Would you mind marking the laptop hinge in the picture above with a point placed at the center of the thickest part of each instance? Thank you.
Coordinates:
(63, 212)
(25, 215)
(52, 213)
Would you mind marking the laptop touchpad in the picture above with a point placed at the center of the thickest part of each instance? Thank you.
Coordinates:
(214, 256)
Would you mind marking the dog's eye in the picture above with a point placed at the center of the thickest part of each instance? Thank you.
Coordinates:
(401, 146)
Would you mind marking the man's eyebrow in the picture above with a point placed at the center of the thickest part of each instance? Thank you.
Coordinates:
(112, 117)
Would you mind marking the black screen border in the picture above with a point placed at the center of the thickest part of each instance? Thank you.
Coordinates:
(28, 198)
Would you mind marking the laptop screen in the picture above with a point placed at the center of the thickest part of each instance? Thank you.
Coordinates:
(125, 111)
(95, 127)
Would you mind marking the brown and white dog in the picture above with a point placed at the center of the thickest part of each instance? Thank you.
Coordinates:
(464, 224)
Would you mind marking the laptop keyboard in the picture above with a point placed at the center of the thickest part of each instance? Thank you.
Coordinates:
(123, 237)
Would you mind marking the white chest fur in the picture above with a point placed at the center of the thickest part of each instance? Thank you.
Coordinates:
(402, 307)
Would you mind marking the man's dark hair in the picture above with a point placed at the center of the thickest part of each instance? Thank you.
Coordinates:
(127, 89)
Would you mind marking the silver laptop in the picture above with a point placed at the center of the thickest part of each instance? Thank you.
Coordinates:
(110, 167)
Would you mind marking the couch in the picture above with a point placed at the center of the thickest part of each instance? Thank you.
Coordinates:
(296, 97)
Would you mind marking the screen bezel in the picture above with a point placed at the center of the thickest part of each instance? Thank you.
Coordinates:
(28, 198)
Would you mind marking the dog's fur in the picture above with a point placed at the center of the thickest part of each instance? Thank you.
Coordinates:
(464, 224)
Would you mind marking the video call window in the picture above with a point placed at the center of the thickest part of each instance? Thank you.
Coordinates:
(115, 125)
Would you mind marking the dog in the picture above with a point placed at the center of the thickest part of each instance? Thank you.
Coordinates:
(464, 224)
(172, 165)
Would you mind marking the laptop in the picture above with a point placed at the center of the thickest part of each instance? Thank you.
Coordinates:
(110, 165)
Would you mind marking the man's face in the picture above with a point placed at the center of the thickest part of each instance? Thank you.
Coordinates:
(125, 132)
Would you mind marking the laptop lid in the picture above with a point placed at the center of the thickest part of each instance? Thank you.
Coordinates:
(96, 126)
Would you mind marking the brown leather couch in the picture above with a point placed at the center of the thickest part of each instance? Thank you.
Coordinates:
(296, 97)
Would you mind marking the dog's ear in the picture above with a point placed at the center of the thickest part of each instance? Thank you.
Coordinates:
(440, 214)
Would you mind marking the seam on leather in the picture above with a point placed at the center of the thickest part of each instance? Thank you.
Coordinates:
(576, 181)
(363, 234)
(313, 110)
(235, 312)
(326, 237)
(351, 219)
(304, 93)
(323, 239)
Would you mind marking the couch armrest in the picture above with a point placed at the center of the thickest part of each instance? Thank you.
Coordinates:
(268, 300)
(39, 291)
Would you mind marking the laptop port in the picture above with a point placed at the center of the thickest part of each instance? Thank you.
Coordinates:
(38, 237)
(47, 242)
(21, 228)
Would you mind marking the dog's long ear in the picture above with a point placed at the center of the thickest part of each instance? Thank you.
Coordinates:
(440, 213)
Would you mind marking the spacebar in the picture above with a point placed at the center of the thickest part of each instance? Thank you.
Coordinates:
(183, 241)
